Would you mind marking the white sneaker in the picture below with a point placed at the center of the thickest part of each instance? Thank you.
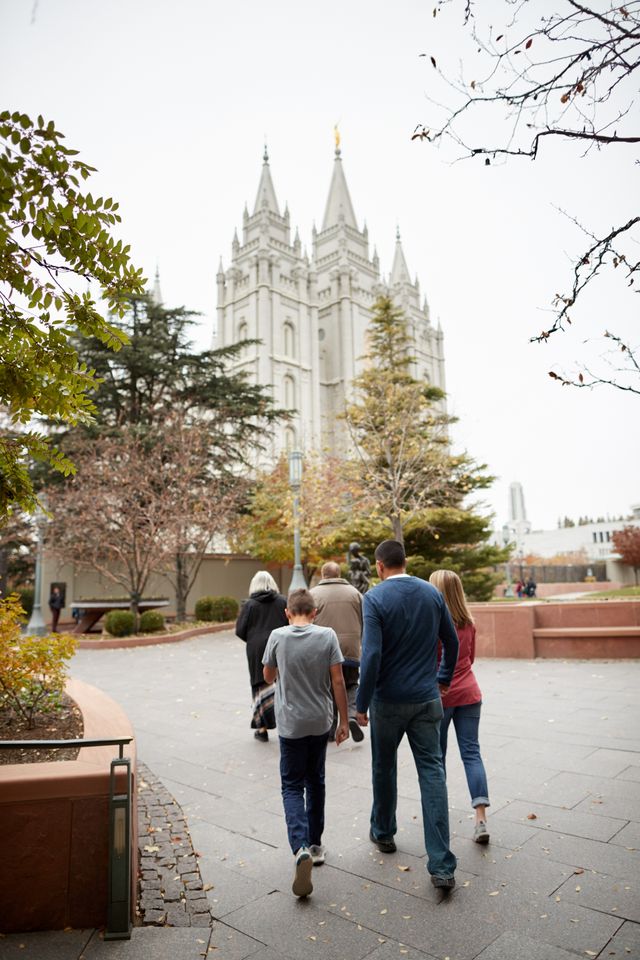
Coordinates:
(302, 885)
(317, 854)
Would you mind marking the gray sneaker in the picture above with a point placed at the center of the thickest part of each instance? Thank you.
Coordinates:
(302, 885)
(481, 834)
(317, 854)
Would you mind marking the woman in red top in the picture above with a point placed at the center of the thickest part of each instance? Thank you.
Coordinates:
(463, 700)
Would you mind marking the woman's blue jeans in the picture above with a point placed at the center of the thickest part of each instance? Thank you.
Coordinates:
(421, 722)
(466, 720)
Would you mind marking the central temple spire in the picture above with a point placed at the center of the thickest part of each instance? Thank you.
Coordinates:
(339, 206)
(266, 196)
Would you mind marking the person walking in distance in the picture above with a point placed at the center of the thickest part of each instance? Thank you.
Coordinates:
(56, 603)
(305, 663)
(400, 684)
(463, 701)
(339, 606)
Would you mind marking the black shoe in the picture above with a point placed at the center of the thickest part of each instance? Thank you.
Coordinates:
(384, 846)
(444, 883)
(356, 731)
(262, 735)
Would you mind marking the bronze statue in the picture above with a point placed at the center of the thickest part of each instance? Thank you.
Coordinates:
(359, 568)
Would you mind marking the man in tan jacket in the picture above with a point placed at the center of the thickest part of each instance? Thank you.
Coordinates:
(339, 605)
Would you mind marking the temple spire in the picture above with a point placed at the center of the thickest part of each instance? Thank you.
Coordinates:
(156, 292)
(266, 196)
(399, 270)
(339, 207)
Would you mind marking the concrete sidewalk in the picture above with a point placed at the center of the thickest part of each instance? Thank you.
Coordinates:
(560, 878)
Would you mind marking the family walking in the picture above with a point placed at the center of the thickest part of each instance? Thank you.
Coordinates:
(398, 660)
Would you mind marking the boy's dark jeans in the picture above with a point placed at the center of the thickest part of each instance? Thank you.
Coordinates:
(302, 776)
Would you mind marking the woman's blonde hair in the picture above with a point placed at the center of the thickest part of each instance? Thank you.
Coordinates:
(450, 586)
(262, 580)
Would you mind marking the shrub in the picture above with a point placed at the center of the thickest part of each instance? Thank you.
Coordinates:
(151, 621)
(26, 595)
(33, 670)
(218, 609)
(120, 623)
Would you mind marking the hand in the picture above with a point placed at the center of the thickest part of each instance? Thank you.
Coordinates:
(444, 688)
(363, 719)
(342, 733)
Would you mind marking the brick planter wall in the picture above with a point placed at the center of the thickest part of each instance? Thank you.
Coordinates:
(604, 629)
(55, 828)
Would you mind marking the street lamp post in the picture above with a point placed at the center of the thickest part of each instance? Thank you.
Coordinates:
(295, 481)
(506, 539)
(37, 626)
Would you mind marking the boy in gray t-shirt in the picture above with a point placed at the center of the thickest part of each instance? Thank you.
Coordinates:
(305, 662)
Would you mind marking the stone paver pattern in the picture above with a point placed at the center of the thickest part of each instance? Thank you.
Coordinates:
(560, 878)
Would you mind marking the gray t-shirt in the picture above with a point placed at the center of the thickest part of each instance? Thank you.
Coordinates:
(303, 656)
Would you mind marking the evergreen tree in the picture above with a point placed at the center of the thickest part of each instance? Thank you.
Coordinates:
(158, 372)
(399, 432)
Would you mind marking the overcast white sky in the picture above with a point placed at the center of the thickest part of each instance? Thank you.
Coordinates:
(172, 101)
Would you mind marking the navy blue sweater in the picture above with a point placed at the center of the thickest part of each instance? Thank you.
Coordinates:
(403, 619)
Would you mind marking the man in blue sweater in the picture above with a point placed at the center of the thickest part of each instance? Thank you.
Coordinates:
(400, 685)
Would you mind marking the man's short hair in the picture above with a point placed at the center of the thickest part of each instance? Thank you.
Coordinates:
(330, 570)
(391, 554)
(300, 603)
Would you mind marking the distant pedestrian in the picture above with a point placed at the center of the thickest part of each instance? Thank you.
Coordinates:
(305, 662)
(400, 681)
(531, 587)
(463, 701)
(259, 615)
(339, 605)
(56, 603)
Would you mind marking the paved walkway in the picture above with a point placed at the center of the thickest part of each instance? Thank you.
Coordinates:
(560, 878)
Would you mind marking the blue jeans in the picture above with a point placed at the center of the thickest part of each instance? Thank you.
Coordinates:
(421, 722)
(302, 777)
(466, 720)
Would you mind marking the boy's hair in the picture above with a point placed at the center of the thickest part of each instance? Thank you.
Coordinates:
(391, 554)
(300, 603)
(450, 586)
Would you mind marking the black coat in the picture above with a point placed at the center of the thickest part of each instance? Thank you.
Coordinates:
(260, 614)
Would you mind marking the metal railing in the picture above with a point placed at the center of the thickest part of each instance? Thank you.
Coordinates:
(119, 877)
(61, 744)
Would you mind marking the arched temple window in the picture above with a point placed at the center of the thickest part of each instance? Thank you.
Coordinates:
(289, 392)
(289, 340)
(289, 438)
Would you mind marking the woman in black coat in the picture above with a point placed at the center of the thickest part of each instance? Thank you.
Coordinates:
(260, 614)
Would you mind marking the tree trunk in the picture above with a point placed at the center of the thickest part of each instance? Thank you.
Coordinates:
(182, 588)
(135, 598)
(396, 523)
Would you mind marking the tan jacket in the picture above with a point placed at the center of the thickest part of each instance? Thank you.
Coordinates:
(340, 606)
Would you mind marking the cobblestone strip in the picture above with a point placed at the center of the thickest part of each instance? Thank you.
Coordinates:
(171, 889)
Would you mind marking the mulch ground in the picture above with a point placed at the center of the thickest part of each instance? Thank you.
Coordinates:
(65, 723)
